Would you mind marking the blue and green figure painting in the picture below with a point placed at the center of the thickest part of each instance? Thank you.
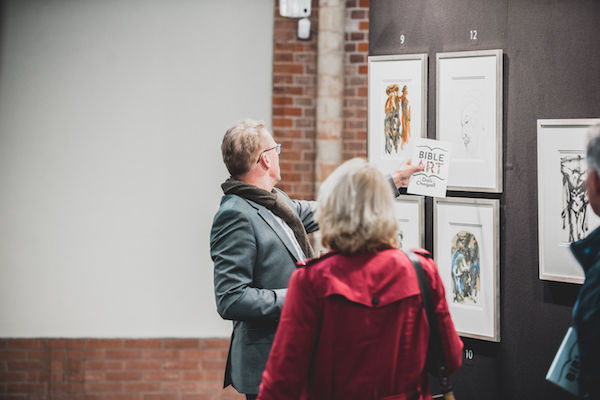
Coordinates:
(466, 282)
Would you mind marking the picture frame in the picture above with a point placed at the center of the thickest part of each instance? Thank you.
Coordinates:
(397, 103)
(469, 115)
(410, 213)
(562, 218)
(467, 252)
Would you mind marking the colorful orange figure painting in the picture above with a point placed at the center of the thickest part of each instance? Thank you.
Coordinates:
(396, 126)
(405, 134)
(391, 125)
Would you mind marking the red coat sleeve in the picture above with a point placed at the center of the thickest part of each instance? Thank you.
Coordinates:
(286, 373)
(451, 342)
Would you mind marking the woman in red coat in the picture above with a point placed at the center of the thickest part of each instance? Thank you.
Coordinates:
(353, 324)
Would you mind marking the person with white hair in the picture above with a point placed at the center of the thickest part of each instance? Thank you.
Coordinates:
(586, 312)
(353, 324)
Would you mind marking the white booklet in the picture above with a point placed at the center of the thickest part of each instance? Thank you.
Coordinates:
(564, 371)
(434, 156)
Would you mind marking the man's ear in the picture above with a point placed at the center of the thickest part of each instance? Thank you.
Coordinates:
(268, 161)
(264, 160)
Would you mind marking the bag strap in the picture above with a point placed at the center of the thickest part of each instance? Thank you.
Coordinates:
(435, 353)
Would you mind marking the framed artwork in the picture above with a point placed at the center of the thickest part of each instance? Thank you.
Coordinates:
(564, 213)
(410, 212)
(467, 247)
(397, 108)
(469, 115)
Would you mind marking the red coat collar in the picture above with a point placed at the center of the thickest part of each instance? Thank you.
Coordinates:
(373, 280)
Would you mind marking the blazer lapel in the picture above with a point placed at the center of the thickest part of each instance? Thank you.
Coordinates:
(270, 220)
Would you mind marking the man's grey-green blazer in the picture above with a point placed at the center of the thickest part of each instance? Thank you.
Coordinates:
(253, 262)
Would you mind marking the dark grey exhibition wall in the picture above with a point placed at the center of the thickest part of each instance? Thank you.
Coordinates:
(551, 70)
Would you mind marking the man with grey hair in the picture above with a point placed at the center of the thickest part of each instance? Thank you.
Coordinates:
(586, 312)
(257, 237)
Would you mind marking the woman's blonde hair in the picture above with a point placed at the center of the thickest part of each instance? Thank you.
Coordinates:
(356, 210)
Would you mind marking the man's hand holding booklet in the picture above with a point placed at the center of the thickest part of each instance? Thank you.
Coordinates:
(434, 157)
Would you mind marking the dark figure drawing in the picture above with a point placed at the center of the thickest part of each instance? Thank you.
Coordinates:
(391, 125)
(575, 202)
(465, 268)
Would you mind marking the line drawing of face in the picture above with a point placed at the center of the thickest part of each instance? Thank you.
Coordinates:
(470, 127)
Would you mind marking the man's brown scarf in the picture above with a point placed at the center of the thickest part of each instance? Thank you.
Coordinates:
(276, 204)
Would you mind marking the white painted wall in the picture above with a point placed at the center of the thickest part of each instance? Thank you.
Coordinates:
(111, 119)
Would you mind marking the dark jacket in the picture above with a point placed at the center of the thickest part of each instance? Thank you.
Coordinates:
(253, 261)
(355, 328)
(586, 314)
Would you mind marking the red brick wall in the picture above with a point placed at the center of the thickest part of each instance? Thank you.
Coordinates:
(355, 79)
(294, 102)
(295, 92)
(114, 369)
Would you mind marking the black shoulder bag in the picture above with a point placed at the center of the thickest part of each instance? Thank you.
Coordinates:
(435, 363)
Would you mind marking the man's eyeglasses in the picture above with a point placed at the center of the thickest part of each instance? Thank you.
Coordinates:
(276, 148)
